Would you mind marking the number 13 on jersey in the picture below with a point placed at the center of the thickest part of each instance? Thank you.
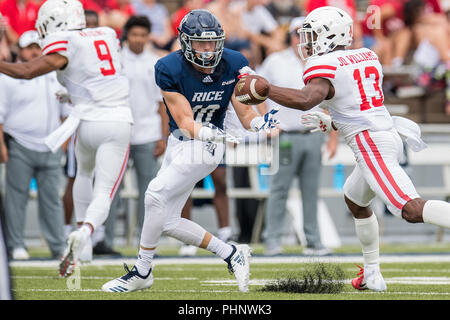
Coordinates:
(370, 82)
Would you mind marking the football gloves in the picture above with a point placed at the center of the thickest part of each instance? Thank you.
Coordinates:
(210, 132)
(246, 71)
(317, 121)
(266, 122)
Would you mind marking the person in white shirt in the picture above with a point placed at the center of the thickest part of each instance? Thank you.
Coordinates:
(29, 111)
(87, 63)
(151, 123)
(260, 27)
(300, 153)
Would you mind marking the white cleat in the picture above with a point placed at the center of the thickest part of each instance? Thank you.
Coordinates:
(239, 265)
(371, 278)
(188, 250)
(71, 256)
(132, 281)
(20, 254)
(86, 252)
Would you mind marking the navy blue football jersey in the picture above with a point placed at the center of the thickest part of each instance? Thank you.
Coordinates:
(208, 94)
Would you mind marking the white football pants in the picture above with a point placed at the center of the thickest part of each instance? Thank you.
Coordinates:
(378, 171)
(101, 150)
(185, 163)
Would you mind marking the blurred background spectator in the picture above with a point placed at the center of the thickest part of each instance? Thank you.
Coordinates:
(118, 12)
(29, 111)
(5, 52)
(231, 21)
(265, 34)
(300, 153)
(20, 15)
(162, 34)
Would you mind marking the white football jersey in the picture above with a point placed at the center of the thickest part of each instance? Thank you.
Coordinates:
(357, 78)
(93, 75)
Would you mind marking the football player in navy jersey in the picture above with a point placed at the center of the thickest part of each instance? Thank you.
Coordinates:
(197, 83)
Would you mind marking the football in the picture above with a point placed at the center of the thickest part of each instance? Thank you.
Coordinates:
(251, 90)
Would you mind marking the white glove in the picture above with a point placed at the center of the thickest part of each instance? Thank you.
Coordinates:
(210, 132)
(266, 122)
(246, 71)
(316, 121)
(62, 96)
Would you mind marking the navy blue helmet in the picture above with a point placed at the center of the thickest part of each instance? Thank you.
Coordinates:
(201, 25)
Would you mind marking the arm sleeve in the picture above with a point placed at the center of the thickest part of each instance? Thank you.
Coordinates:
(164, 79)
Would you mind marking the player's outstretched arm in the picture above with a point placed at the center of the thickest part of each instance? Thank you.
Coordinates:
(316, 91)
(33, 68)
(251, 120)
(181, 111)
(244, 112)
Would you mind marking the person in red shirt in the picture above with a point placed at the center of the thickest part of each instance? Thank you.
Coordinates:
(91, 5)
(385, 30)
(20, 15)
(178, 15)
(118, 12)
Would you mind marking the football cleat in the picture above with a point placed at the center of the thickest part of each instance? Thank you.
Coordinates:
(187, 250)
(86, 252)
(239, 265)
(132, 281)
(370, 278)
(71, 256)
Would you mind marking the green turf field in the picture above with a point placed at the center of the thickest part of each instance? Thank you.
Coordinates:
(204, 281)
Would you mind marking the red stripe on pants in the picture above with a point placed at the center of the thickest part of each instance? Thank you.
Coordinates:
(383, 166)
(375, 173)
(122, 171)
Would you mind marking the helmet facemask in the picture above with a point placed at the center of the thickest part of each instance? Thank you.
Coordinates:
(308, 43)
(204, 59)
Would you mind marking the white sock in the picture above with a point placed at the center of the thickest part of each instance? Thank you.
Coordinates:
(144, 261)
(437, 212)
(367, 233)
(219, 248)
(187, 231)
(224, 233)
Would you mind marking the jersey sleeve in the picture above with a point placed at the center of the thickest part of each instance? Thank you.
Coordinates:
(319, 67)
(164, 78)
(236, 60)
(56, 42)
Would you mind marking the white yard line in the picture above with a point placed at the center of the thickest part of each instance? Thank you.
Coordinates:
(410, 258)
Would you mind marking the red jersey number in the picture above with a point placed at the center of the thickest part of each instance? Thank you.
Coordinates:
(104, 56)
(375, 102)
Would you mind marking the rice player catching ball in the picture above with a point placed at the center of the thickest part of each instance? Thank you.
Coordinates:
(197, 84)
(87, 64)
(348, 83)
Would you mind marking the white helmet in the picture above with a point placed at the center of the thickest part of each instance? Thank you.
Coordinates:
(324, 29)
(60, 15)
